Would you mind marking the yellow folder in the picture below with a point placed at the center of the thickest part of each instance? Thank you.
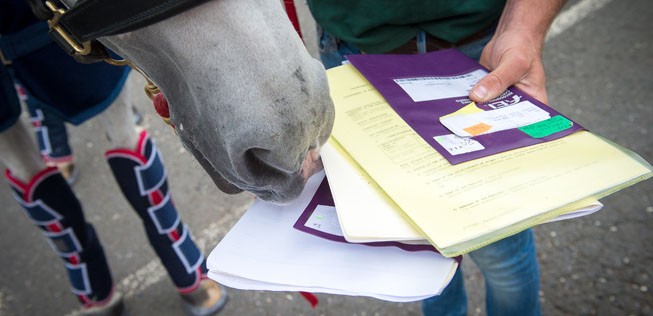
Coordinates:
(460, 208)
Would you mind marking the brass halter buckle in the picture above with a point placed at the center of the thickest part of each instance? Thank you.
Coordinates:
(4, 60)
(83, 48)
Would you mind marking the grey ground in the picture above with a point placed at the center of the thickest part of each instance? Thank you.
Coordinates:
(599, 73)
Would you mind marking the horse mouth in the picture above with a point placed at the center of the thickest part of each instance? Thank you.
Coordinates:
(222, 184)
(288, 191)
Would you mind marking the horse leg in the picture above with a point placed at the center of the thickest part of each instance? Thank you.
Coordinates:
(52, 136)
(19, 152)
(51, 205)
(139, 171)
(118, 122)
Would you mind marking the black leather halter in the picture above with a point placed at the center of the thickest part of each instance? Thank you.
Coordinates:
(76, 30)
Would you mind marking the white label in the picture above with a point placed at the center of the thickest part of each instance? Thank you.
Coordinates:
(485, 122)
(325, 219)
(456, 145)
(436, 88)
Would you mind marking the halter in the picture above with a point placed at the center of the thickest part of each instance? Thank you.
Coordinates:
(76, 30)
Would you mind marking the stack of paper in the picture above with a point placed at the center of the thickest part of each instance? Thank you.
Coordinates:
(448, 173)
(462, 207)
(263, 252)
(366, 214)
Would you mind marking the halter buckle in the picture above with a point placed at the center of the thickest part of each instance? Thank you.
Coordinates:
(5, 61)
(61, 36)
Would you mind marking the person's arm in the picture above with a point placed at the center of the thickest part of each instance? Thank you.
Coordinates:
(514, 55)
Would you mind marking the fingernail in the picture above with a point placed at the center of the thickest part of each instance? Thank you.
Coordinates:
(480, 92)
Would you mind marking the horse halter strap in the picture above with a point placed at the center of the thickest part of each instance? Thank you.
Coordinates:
(76, 30)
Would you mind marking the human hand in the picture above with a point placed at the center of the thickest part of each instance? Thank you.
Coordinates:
(514, 58)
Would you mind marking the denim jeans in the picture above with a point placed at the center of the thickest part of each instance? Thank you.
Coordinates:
(509, 266)
(512, 279)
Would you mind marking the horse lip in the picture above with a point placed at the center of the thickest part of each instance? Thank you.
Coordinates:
(273, 197)
(222, 184)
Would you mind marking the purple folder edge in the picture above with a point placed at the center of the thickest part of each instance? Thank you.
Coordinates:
(324, 197)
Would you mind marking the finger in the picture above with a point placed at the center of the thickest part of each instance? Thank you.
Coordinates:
(510, 70)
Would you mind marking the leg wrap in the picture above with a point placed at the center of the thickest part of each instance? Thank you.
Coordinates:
(50, 130)
(142, 179)
(50, 204)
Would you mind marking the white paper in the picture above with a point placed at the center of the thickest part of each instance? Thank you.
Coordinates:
(263, 252)
(364, 214)
(509, 117)
(587, 210)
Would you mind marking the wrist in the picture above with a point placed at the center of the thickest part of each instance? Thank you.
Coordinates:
(529, 19)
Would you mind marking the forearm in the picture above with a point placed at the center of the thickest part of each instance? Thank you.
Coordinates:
(531, 18)
(514, 55)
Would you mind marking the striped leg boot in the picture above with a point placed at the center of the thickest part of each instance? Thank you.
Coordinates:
(51, 136)
(142, 178)
(51, 205)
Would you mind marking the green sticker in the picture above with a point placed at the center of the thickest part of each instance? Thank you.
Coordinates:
(547, 127)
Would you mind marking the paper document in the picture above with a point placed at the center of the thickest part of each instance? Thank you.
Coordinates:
(366, 214)
(320, 218)
(428, 91)
(462, 207)
(263, 252)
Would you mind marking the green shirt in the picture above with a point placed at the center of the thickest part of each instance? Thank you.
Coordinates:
(379, 26)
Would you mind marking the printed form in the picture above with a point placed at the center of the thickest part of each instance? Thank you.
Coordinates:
(431, 93)
(465, 206)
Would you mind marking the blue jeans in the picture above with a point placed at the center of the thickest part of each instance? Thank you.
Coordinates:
(509, 266)
(512, 280)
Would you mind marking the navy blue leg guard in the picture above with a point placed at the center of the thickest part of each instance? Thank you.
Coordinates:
(51, 132)
(51, 205)
(142, 178)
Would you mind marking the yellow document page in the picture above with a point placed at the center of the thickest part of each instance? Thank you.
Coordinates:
(459, 208)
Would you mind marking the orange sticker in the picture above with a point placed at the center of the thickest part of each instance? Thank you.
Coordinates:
(477, 129)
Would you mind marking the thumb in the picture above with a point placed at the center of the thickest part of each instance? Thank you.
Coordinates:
(508, 72)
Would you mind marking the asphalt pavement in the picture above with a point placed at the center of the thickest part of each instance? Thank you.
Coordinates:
(599, 64)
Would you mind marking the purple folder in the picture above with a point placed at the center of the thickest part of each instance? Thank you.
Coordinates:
(324, 197)
(385, 72)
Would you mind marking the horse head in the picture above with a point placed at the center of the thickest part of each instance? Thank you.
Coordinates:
(245, 97)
